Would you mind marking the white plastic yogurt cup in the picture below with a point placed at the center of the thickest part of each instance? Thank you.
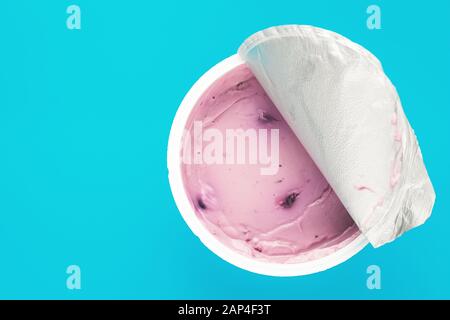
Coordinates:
(174, 164)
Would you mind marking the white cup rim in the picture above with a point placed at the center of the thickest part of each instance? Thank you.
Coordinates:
(199, 229)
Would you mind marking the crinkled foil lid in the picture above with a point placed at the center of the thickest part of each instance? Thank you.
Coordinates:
(335, 96)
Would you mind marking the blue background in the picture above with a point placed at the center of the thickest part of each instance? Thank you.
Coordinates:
(84, 123)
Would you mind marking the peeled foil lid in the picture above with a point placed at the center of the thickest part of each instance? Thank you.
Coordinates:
(344, 110)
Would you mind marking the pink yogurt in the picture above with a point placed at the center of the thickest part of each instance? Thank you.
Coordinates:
(292, 212)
